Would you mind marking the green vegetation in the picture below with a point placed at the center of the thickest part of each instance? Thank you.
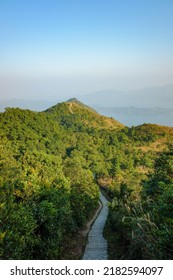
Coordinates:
(81, 118)
(51, 166)
(143, 228)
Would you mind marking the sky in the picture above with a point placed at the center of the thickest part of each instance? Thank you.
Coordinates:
(58, 48)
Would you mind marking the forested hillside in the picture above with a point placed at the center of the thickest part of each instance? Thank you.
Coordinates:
(52, 164)
(79, 117)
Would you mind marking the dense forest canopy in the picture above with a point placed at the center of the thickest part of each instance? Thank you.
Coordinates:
(52, 164)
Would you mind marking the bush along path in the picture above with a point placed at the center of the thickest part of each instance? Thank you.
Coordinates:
(96, 248)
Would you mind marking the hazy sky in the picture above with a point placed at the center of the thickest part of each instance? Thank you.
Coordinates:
(52, 48)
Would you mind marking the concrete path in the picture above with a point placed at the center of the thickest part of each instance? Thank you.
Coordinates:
(96, 248)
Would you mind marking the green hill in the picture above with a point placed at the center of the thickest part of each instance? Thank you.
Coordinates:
(78, 116)
(75, 100)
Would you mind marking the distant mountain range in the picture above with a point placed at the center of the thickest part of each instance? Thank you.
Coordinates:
(149, 105)
(144, 98)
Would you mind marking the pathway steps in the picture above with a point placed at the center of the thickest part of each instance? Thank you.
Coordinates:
(96, 248)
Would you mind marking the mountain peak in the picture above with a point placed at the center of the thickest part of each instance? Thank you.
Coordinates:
(77, 115)
(76, 101)
(73, 99)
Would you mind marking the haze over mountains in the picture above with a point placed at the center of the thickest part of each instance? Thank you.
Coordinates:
(144, 98)
(148, 105)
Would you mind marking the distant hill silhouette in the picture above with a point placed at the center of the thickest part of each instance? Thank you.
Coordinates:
(147, 97)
